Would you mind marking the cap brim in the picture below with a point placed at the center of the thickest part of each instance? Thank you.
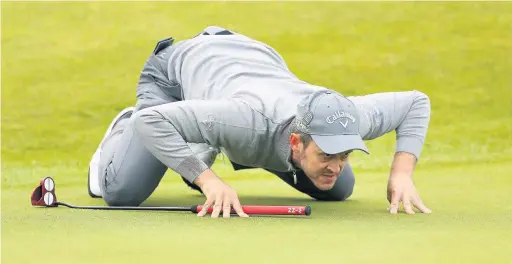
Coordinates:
(340, 143)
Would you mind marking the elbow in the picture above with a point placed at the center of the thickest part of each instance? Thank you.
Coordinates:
(417, 118)
(411, 133)
(422, 101)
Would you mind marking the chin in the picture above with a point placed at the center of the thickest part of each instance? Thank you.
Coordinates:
(324, 186)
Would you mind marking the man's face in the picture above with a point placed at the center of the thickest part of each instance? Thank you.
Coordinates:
(321, 168)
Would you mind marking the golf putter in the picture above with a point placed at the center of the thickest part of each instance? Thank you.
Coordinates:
(44, 196)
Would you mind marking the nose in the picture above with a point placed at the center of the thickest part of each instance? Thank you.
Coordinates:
(335, 167)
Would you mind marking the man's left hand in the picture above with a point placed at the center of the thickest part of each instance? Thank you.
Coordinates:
(401, 186)
(401, 189)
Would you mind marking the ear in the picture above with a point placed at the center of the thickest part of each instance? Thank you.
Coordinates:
(295, 142)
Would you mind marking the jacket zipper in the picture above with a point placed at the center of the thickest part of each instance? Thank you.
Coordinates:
(294, 177)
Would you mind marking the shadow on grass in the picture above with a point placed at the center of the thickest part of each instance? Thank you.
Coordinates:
(245, 200)
(328, 210)
(318, 207)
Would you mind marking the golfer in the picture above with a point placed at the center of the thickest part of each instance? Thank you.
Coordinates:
(222, 91)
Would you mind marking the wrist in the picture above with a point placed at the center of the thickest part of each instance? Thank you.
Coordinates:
(403, 165)
(205, 177)
(399, 175)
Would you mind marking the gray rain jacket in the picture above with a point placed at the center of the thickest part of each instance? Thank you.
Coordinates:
(239, 95)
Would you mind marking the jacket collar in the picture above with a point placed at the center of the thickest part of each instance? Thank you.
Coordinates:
(285, 151)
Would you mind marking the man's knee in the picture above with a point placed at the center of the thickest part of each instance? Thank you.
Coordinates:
(121, 197)
(144, 119)
(117, 192)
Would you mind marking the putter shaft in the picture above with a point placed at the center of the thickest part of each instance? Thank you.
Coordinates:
(248, 209)
(133, 208)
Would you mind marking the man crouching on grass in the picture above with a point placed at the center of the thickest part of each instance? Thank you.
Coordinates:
(223, 91)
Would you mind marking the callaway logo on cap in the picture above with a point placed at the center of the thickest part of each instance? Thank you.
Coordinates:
(332, 120)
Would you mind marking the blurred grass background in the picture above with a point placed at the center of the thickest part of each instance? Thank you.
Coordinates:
(69, 67)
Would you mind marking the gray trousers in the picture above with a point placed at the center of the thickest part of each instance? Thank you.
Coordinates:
(129, 173)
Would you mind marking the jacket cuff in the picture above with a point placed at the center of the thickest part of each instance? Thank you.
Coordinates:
(411, 145)
(191, 168)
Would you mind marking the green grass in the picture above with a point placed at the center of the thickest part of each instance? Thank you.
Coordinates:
(68, 68)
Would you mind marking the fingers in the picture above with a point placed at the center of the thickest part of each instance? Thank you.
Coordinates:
(217, 206)
(238, 209)
(420, 206)
(206, 206)
(407, 202)
(395, 198)
(230, 202)
(407, 205)
(221, 198)
(403, 191)
(226, 209)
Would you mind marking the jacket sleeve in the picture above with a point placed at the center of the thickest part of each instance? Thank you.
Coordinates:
(406, 113)
(166, 129)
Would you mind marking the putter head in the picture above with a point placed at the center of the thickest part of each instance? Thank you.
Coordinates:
(44, 193)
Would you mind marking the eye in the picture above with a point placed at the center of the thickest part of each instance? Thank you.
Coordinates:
(345, 155)
(326, 156)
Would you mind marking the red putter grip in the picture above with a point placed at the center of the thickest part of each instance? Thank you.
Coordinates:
(265, 210)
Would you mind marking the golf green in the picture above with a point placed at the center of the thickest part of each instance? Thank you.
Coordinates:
(69, 67)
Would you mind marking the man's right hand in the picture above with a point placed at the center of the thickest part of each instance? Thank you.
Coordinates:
(219, 196)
